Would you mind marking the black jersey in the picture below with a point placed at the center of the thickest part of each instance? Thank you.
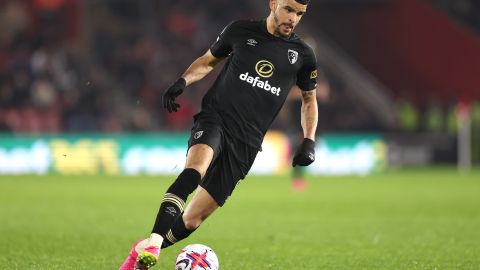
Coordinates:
(254, 83)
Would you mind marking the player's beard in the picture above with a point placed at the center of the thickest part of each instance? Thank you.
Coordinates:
(277, 30)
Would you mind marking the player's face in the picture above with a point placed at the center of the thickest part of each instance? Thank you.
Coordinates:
(287, 14)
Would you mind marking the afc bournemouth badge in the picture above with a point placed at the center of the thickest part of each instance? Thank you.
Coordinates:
(292, 56)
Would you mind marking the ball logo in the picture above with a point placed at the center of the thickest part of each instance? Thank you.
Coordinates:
(264, 69)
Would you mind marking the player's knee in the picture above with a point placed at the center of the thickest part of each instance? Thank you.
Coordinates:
(192, 222)
(199, 158)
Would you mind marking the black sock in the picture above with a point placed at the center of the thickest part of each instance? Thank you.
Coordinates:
(174, 200)
(177, 233)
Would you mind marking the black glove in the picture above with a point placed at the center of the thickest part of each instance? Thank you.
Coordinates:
(305, 154)
(172, 93)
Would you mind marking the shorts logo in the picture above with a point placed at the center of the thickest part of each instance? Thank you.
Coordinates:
(171, 210)
(313, 75)
(264, 68)
(198, 134)
(292, 56)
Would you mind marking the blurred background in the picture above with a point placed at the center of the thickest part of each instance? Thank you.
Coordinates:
(81, 84)
(399, 117)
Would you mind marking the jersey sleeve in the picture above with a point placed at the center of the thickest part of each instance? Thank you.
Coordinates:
(307, 75)
(223, 46)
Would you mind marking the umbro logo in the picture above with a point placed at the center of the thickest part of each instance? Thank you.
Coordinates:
(252, 42)
(198, 134)
(171, 210)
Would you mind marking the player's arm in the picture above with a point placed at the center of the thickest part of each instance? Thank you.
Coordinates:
(200, 68)
(305, 153)
(307, 84)
(195, 72)
(309, 114)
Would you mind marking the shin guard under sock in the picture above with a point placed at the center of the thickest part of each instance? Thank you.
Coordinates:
(174, 200)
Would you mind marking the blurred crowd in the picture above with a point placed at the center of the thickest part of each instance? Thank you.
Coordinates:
(34, 66)
(146, 45)
(69, 65)
(102, 66)
(466, 11)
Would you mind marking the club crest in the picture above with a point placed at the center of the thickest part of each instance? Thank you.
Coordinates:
(292, 56)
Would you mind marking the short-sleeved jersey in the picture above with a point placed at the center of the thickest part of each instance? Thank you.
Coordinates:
(254, 83)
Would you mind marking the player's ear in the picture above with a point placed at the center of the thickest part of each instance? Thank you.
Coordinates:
(273, 5)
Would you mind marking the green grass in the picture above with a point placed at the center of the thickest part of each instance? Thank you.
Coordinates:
(421, 219)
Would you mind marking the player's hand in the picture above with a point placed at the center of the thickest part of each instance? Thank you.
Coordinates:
(172, 93)
(305, 154)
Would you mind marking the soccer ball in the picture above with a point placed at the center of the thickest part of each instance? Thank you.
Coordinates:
(196, 257)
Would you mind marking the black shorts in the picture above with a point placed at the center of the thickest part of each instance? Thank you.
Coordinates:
(231, 161)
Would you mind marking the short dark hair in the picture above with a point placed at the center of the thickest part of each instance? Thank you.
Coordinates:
(303, 2)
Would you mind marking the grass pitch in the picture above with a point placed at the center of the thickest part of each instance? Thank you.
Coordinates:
(425, 219)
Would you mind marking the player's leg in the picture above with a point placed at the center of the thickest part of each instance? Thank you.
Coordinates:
(229, 168)
(204, 145)
(199, 208)
(199, 157)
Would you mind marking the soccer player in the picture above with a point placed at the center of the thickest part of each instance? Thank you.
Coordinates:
(264, 61)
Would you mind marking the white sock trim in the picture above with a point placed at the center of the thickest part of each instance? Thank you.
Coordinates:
(155, 240)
